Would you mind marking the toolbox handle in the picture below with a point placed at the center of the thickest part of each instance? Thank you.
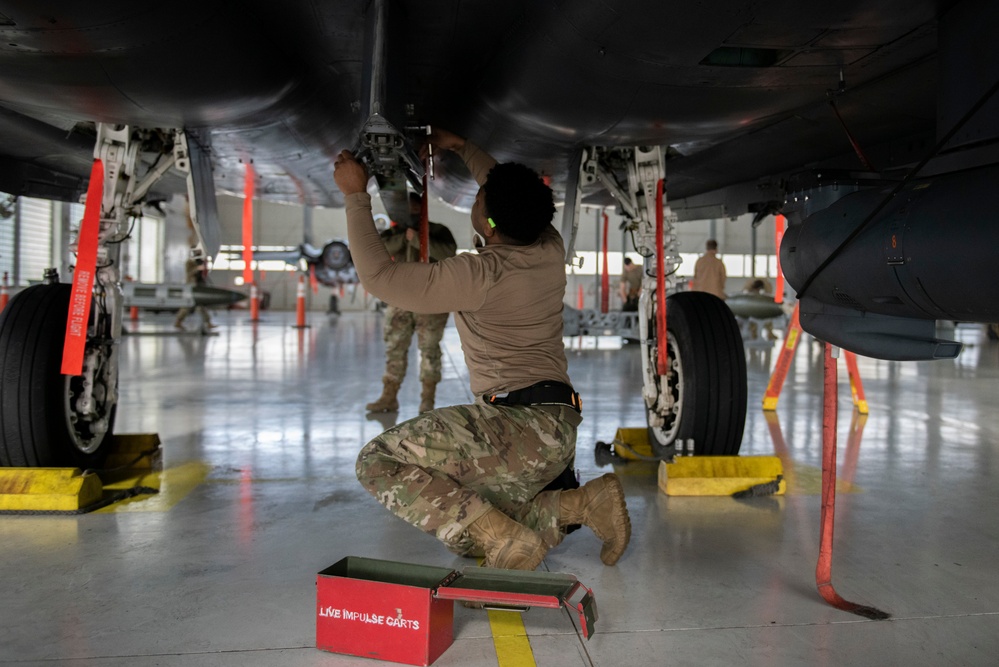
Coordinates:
(506, 590)
(500, 607)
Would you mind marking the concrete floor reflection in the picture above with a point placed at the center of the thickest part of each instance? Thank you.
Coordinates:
(273, 418)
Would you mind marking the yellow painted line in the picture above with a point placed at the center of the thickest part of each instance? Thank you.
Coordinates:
(174, 485)
(513, 648)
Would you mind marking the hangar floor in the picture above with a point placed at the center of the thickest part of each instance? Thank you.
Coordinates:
(260, 430)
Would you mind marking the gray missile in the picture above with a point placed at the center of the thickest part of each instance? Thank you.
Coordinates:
(758, 306)
(176, 296)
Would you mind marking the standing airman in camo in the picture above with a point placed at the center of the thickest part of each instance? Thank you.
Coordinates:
(403, 245)
(475, 476)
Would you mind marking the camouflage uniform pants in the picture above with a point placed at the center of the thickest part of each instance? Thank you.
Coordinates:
(444, 469)
(206, 318)
(399, 326)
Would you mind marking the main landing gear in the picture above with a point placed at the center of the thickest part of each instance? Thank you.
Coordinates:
(696, 401)
(51, 419)
(702, 397)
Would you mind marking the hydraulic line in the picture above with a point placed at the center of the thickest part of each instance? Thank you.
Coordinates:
(853, 142)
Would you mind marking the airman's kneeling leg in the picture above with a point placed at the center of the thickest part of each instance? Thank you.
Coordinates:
(506, 543)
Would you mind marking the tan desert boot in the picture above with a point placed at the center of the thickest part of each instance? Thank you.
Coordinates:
(387, 402)
(600, 505)
(506, 543)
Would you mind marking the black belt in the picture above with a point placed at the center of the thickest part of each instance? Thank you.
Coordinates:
(542, 393)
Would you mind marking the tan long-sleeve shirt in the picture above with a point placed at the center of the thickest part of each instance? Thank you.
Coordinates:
(507, 298)
(709, 275)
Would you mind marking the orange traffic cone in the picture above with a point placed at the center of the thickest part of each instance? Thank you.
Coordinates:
(4, 293)
(300, 304)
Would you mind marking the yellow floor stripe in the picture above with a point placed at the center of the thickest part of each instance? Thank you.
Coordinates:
(174, 485)
(513, 648)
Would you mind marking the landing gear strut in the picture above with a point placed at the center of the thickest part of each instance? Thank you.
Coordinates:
(48, 418)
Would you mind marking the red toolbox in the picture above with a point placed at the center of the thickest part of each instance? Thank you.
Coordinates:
(405, 613)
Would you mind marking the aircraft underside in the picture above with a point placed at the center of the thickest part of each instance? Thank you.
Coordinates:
(877, 256)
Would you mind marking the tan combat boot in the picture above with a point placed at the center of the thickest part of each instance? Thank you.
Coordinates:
(599, 504)
(387, 401)
(506, 543)
(427, 397)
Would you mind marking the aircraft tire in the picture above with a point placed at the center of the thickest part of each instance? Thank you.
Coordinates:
(36, 422)
(709, 369)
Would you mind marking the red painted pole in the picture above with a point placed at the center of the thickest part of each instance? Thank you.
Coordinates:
(662, 363)
(313, 281)
(605, 276)
(779, 236)
(248, 226)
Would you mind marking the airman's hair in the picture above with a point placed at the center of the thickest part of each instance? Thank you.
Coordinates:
(518, 201)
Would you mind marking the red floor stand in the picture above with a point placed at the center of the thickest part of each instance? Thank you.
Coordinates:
(823, 569)
(792, 336)
(856, 386)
